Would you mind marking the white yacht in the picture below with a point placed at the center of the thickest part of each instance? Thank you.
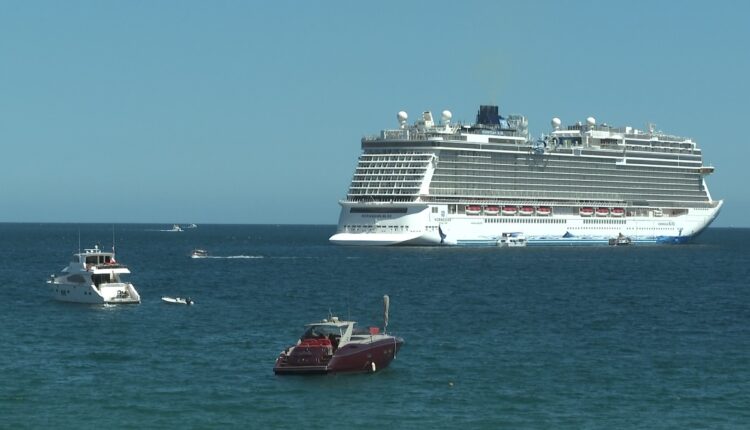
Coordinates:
(93, 276)
(175, 227)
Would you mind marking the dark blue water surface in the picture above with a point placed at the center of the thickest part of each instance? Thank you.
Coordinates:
(536, 337)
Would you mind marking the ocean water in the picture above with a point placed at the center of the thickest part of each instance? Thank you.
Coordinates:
(560, 337)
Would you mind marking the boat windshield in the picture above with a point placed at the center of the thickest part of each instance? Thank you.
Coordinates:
(321, 331)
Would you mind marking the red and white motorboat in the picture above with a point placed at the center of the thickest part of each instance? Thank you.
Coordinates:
(526, 210)
(602, 211)
(491, 210)
(586, 211)
(334, 346)
(618, 212)
(473, 209)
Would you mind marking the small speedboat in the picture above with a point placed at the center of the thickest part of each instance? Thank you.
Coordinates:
(178, 300)
(199, 253)
(620, 240)
(175, 227)
(335, 346)
(512, 239)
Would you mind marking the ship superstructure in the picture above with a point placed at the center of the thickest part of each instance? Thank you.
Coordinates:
(433, 183)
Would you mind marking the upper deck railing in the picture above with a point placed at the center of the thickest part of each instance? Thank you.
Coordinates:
(453, 132)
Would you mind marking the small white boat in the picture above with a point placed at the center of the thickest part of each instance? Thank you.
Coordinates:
(199, 253)
(175, 227)
(178, 300)
(512, 239)
(620, 240)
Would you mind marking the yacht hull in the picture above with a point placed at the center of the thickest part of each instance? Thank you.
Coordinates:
(86, 293)
(351, 358)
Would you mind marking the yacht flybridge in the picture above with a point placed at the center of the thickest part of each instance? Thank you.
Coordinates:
(93, 276)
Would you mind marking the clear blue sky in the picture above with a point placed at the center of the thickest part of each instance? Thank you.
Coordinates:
(252, 112)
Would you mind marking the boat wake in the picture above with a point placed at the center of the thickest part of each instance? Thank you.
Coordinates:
(228, 257)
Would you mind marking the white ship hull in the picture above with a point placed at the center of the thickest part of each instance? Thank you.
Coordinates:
(115, 293)
(431, 225)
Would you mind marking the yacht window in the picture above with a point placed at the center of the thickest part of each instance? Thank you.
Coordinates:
(78, 279)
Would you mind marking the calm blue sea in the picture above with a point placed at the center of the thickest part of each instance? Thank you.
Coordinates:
(565, 337)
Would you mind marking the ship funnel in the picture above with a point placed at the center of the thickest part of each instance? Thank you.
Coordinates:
(488, 115)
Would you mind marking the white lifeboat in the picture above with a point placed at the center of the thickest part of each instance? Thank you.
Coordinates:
(491, 210)
(509, 210)
(544, 210)
(473, 209)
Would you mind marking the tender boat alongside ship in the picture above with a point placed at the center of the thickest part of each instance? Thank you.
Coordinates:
(94, 276)
(620, 240)
(515, 239)
(446, 183)
(337, 346)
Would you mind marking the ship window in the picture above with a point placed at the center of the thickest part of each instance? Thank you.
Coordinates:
(377, 210)
(434, 209)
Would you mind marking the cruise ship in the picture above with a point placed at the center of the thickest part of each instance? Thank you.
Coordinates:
(445, 183)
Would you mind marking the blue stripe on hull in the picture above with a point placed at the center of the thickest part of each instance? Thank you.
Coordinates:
(581, 242)
(477, 242)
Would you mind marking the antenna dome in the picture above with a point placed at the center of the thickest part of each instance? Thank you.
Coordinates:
(447, 115)
(591, 121)
(556, 123)
(402, 116)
